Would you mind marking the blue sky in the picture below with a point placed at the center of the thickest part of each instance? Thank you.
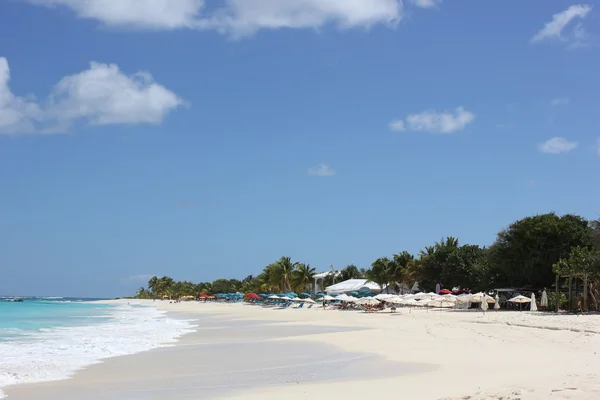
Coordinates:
(207, 140)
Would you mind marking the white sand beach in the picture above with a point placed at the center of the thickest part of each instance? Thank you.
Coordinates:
(250, 352)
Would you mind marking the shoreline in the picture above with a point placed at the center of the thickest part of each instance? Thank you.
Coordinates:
(512, 354)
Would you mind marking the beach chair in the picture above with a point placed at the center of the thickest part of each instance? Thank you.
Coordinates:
(310, 306)
(301, 305)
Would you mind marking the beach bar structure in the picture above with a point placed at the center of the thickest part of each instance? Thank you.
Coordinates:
(321, 276)
(354, 285)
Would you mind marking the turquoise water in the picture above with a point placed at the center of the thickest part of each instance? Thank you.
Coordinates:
(44, 339)
(33, 314)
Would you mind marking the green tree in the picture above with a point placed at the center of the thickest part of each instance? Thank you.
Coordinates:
(523, 254)
(380, 272)
(302, 278)
(350, 272)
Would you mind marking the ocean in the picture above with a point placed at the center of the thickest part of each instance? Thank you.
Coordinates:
(49, 338)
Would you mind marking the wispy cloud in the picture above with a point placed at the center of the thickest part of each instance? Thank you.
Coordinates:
(234, 17)
(425, 3)
(321, 170)
(555, 29)
(100, 95)
(560, 101)
(435, 122)
(557, 145)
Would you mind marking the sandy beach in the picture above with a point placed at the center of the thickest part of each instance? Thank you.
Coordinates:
(249, 352)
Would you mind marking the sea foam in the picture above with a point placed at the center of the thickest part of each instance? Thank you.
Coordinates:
(56, 353)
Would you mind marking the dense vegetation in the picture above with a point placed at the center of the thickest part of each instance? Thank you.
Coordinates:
(528, 254)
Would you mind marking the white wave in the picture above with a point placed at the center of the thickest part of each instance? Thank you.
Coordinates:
(56, 353)
(51, 298)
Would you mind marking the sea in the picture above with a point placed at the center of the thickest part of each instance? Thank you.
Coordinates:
(49, 338)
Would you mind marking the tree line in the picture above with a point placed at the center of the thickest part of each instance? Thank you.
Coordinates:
(529, 253)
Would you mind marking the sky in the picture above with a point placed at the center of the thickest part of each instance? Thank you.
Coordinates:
(203, 139)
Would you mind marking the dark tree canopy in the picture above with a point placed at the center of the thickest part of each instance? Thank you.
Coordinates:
(524, 253)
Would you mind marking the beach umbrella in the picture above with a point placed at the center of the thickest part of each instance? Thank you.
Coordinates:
(371, 301)
(305, 294)
(274, 297)
(544, 299)
(484, 303)
(533, 306)
(309, 301)
(320, 295)
(520, 299)
(497, 304)
(328, 298)
(464, 298)
(423, 296)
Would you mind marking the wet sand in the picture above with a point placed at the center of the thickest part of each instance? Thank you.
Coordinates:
(224, 357)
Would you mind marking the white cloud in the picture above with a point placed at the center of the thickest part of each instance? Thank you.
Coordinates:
(16, 113)
(101, 95)
(554, 29)
(398, 126)
(234, 17)
(557, 145)
(321, 170)
(142, 14)
(425, 3)
(560, 101)
(434, 122)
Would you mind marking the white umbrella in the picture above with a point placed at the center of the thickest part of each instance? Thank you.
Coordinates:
(274, 297)
(497, 305)
(484, 303)
(329, 298)
(351, 299)
(424, 296)
(544, 299)
(309, 301)
(464, 298)
(368, 300)
(520, 299)
(442, 303)
(343, 297)
(383, 296)
(533, 306)
(393, 299)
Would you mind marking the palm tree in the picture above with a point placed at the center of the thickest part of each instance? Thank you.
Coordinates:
(302, 277)
(350, 272)
(283, 272)
(399, 267)
(153, 284)
(380, 272)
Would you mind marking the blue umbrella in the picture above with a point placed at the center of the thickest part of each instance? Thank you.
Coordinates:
(305, 294)
(320, 294)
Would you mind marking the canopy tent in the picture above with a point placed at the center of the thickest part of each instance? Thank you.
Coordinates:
(354, 285)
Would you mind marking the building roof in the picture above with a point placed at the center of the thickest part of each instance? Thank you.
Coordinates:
(352, 285)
